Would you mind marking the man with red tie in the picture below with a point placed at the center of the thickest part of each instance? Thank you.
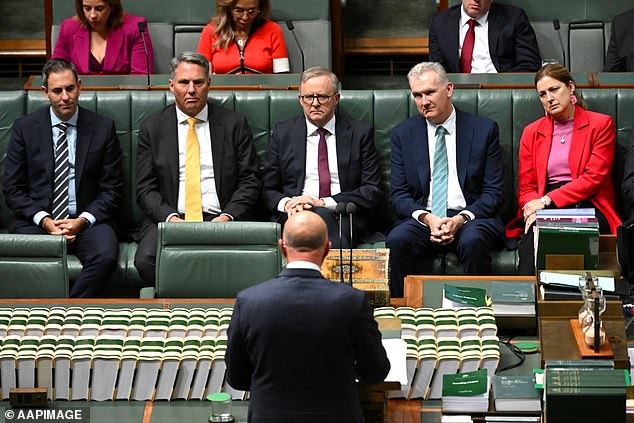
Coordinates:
(320, 159)
(480, 36)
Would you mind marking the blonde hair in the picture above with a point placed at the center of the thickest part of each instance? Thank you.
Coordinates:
(223, 21)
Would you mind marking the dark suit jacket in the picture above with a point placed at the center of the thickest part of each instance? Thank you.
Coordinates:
(512, 41)
(478, 159)
(298, 342)
(628, 178)
(236, 175)
(29, 167)
(285, 168)
(620, 55)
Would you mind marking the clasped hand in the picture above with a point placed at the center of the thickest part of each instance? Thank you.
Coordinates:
(529, 212)
(67, 227)
(302, 202)
(443, 229)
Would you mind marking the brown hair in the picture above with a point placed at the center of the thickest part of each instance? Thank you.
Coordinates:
(561, 74)
(114, 20)
(223, 21)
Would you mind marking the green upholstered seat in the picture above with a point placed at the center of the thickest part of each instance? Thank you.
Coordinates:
(215, 260)
(33, 266)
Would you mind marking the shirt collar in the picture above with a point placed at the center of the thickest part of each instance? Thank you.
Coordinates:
(201, 116)
(464, 18)
(56, 121)
(329, 126)
(299, 264)
(449, 124)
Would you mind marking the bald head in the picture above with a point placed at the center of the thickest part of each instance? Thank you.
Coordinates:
(305, 237)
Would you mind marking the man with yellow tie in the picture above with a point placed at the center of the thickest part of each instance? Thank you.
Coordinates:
(195, 161)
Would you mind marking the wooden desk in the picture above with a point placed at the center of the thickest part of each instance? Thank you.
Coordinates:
(23, 48)
(417, 46)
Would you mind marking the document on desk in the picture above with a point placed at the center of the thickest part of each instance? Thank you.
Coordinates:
(396, 350)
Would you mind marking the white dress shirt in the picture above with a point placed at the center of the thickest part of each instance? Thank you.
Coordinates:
(481, 61)
(311, 179)
(455, 197)
(210, 201)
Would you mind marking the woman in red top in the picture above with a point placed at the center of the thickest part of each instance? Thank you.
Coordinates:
(241, 39)
(565, 161)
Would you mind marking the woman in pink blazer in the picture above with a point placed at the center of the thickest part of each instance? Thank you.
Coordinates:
(565, 161)
(102, 40)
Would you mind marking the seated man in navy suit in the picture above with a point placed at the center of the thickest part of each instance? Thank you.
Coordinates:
(299, 341)
(321, 159)
(446, 180)
(480, 37)
(62, 176)
(620, 54)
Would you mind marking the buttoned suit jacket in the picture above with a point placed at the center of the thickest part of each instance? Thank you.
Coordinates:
(357, 165)
(235, 170)
(29, 167)
(297, 342)
(512, 41)
(478, 161)
(620, 54)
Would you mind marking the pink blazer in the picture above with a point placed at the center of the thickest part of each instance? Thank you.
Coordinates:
(124, 51)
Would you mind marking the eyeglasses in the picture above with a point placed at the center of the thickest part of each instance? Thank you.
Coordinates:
(240, 11)
(321, 98)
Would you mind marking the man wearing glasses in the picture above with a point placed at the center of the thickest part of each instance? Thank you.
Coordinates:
(322, 159)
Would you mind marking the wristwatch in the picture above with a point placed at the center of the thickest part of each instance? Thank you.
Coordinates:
(543, 201)
(465, 217)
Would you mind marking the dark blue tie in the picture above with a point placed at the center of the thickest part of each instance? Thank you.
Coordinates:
(62, 171)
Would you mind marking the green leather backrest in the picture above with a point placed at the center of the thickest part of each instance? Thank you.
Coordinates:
(384, 109)
(33, 266)
(218, 260)
(12, 106)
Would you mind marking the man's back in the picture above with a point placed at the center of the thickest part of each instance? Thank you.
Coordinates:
(307, 339)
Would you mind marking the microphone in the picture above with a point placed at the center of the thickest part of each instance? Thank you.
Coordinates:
(142, 28)
(561, 42)
(351, 209)
(340, 209)
(291, 28)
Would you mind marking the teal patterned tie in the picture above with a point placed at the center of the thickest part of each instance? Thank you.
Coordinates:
(439, 176)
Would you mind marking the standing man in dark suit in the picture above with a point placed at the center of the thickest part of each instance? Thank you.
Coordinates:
(62, 176)
(299, 341)
(195, 160)
(481, 37)
(323, 158)
(447, 182)
(620, 55)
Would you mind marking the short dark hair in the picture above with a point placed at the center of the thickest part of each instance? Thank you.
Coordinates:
(114, 20)
(189, 57)
(55, 66)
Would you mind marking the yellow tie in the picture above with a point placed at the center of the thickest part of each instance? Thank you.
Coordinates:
(193, 195)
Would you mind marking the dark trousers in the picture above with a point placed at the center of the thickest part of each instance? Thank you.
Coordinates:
(145, 257)
(97, 249)
(409, 242)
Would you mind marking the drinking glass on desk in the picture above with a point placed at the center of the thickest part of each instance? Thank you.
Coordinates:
(220, 408)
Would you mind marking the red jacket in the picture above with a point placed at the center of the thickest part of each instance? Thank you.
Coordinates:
(590, 159)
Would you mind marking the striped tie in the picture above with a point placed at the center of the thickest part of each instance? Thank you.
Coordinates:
(62, 170)
(439, 176)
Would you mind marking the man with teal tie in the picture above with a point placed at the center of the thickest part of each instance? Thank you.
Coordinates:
(447, 182)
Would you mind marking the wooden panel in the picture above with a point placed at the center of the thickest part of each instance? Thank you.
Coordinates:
(387, 45)
(24, 48)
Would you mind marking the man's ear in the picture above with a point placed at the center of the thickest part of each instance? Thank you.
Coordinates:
(282, 245)
(327, 249)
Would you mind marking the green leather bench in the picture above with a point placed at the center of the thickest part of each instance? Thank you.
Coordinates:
(512, 109)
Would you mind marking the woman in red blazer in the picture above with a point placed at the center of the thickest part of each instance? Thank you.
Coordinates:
(101, 39)
(565, 161)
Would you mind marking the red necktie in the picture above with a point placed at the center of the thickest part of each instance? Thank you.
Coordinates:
(322, 164)
(467, 48)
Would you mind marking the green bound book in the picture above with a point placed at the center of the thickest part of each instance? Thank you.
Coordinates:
(568, 241)
(465, 392)
(587, 377)
(465, 296)
(516, 393)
